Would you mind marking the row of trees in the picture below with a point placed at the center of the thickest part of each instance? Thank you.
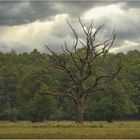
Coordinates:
(86, 81)
(24, 76)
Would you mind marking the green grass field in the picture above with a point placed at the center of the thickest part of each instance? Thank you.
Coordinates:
(67, 129)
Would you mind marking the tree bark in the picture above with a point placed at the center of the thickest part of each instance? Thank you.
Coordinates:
(80, 111)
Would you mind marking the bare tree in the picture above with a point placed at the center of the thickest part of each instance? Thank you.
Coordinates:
(84, 64)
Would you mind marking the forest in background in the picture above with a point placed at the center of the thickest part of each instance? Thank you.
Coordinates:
(23, 76)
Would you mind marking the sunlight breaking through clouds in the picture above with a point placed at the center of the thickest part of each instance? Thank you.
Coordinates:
(33, 35)
(28, 25)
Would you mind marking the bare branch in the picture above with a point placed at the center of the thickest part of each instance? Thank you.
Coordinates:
(83, 26)
(112, 76)
(84, 61)
(72, 56)
(60, 63)
(76, 41)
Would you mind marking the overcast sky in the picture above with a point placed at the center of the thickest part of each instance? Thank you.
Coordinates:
(26, 25)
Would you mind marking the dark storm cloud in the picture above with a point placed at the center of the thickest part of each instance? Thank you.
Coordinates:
(126, 25)
(15, 13)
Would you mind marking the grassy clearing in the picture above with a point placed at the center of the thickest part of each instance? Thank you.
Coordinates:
(67, 129)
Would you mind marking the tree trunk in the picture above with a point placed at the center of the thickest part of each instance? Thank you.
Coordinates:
(80, 111)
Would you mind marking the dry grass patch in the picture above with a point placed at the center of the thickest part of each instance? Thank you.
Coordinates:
(68, 129)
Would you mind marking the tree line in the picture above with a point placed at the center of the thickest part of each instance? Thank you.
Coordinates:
(24, 76)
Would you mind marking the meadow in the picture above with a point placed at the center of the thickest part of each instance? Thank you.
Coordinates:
(68, 129)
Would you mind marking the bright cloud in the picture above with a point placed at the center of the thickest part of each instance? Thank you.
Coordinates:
(98, 12)
(127, 45)
(33, 35)
(28, 25)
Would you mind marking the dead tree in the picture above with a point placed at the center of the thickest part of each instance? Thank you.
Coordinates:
(84, 63)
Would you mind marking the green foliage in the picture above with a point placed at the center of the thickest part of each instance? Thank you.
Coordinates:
(113, 103)
(23, 76)
(39, 108)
